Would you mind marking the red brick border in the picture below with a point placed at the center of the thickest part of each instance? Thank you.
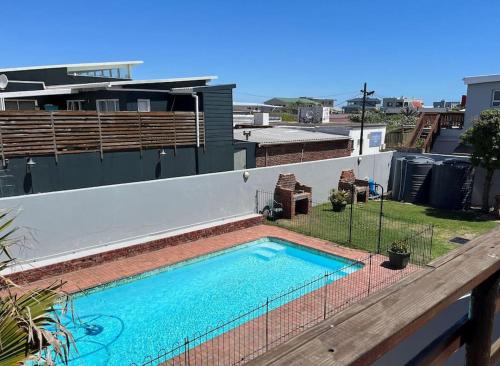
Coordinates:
(55, 269)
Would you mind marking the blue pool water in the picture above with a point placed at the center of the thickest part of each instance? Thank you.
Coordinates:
(124, 322)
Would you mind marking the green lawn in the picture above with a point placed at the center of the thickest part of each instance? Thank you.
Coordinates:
(447, 224)
(400, 221)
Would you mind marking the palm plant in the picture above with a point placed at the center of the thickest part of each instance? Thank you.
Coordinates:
(30, 327)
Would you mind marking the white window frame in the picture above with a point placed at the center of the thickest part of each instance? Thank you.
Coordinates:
(144, 100)
(495, 102)
(115, 101)
(78, 102)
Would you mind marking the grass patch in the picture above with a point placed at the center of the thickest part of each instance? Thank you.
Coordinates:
(400, 221)
(448, 224)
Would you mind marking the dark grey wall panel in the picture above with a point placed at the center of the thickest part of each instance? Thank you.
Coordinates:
(88, 170)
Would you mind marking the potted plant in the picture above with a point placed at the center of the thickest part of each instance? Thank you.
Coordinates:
(339, 199)
(399, 255)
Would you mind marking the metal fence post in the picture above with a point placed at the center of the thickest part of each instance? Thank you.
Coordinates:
(432, 237)
(186, 351)
(369, 273)
(381, 214)
(267, 324)
(353, 192)
(325, 295)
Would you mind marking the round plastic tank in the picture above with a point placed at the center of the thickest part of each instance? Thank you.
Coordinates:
(416, 180)
(451, 184)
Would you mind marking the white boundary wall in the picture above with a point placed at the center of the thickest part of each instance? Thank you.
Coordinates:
(68, 223)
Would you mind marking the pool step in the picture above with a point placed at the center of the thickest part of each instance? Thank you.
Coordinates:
(276, 248)
(264, 254)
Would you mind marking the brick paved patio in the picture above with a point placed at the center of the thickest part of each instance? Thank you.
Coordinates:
(249, 336)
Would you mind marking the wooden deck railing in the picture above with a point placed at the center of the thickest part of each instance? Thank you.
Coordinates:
(28, 133)
(429, 126)
(363, 333)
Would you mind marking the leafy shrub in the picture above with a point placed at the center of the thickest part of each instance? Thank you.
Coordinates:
(400, 247)
(339, 197)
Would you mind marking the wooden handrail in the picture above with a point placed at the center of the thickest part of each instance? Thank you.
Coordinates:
(435, 127)
(361, 335)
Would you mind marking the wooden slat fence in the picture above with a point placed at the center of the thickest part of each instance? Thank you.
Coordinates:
(31, 133)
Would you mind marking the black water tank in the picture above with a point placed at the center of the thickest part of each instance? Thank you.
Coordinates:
(397, 173)
(451, 184)
(417, 180)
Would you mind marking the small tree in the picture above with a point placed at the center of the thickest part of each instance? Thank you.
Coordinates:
(484, 136)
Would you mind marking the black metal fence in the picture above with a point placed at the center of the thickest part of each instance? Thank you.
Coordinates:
(358, 226)
(283, 316)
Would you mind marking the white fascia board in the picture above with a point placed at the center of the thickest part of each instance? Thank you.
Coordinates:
(109, 84)
(481, 79)
(34, 93)
(158, 81)
(75, 67)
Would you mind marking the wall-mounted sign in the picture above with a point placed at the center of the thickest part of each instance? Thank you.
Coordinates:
(375, 139)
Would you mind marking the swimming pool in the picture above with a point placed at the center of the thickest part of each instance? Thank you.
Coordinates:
(125, 321)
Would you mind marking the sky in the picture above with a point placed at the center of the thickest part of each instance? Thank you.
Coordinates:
(419, 49)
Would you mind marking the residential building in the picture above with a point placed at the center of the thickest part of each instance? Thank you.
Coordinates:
(355, 105)
(109, 87)
(373, 134)
(396, 105)
(279, 145)
(483, 92)
(444, 104)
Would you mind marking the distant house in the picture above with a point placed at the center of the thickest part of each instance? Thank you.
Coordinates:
(355, 105)
(397, 104)
(278, 146)
(294, 102)
(444, 104)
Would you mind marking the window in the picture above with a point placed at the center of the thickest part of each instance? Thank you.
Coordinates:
(20, 105)
(107, 105)
(405, 104)
(143, 105)
(496, 99)
(74, 105)
(390, 104)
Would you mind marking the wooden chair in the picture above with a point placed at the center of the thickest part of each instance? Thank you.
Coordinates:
(349, 183)
(293, 196)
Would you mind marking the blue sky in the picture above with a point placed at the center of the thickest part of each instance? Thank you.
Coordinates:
(269, 48)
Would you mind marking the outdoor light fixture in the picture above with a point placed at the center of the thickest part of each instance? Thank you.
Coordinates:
(162, 152)
(30, 163)
(359, 159)
(246, 175)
